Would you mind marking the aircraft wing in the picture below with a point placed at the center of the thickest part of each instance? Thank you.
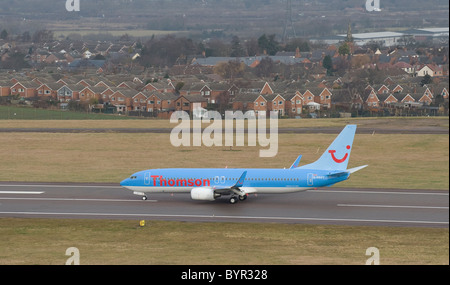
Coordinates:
(227, 190)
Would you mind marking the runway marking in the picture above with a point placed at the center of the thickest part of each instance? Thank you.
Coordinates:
(60, 186)
(226, 217)
(393, 206)
(75, 199)
(22, 192)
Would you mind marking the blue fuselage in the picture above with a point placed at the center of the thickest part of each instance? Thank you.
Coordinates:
(256, 180)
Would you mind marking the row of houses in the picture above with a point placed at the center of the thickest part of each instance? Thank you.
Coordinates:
(288, 98)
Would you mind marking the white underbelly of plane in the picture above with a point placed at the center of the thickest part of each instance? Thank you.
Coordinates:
(247, 190)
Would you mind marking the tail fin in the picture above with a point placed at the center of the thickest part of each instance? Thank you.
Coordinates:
(337, 155)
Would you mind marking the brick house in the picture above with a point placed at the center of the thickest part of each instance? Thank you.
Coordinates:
(294, 105)
(186, 102)
(5, 88)
(88, 93)
(25, 89)
(48, 90)
(278, 103)
(122, 99)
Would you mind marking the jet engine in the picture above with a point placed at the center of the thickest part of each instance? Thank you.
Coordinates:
(204, 194)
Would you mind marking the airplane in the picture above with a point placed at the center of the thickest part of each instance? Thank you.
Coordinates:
(208, 184)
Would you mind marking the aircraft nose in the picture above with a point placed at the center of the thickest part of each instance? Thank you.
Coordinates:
(124, 182)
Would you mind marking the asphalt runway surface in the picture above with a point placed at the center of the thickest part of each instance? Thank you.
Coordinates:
(337, 206)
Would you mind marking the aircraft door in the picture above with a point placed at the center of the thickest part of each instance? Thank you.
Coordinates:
(147, 178)
(310, 179)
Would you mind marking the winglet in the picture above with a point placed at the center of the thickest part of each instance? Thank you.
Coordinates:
(241, 180)
(296, 162)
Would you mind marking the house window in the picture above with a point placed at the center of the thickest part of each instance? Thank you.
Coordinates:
(185, 104)
(280, 102)
(256, 103)
(275, 103)
(121, 99)
(262, 104)
(297, 102)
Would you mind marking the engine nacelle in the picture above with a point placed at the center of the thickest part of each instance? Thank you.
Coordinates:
(204, 194)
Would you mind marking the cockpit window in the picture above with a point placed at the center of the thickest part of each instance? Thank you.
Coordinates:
(133, 177)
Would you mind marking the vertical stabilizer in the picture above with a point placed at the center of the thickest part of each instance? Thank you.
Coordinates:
(337, 155)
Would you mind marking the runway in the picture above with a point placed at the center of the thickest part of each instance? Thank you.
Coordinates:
(337, 206)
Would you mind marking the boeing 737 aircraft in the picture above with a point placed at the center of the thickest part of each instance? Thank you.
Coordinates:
(209, 184)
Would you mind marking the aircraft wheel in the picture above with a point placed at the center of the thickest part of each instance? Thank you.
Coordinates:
(243, 197)
(233, 200)
(144, 198)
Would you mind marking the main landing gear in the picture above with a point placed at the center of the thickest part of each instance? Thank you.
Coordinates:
(234, 199)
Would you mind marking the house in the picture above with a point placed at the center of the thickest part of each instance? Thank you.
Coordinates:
(216, 92)
(92, 93)
(429, 69)
(160, 102)
(186, 102)
(294, 104)
(372, 99)
(49, 90)
(5, 88)
(159, 87)
(278, 104)
(261, 104)
(139, 102)
(69, 92)
(266, 89)
(245, 101)
(325, 98)
(122, 99)
(25, 89)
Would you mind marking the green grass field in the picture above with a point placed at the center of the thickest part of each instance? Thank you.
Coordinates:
(44, 241)
(395, 161)
(12, 113)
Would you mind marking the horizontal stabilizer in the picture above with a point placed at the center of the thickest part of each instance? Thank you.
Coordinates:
(351, 170)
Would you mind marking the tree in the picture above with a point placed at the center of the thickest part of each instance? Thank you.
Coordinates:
(265, 68)
(328, 64)
(268, 44)
(344, 49)
(426, 80)
(230, 70)
(236, 48)
(4, 35)
(42, 36)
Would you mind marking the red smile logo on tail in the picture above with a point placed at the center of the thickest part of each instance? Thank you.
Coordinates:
(332, 152)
